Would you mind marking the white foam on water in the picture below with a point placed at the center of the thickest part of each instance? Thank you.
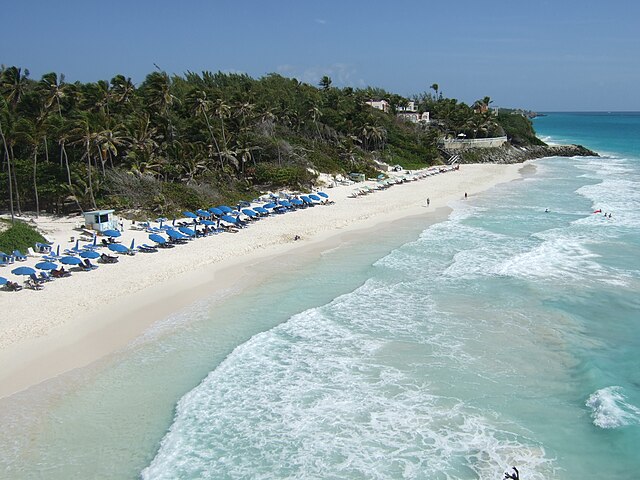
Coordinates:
(561, 258)
(322, 396)
(609, 408)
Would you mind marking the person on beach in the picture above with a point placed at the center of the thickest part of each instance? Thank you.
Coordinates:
(428, 201)
(465, 195)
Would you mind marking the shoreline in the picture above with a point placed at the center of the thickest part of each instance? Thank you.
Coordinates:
(61, 333)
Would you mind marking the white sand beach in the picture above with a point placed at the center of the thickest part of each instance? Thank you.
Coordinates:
(76, 320)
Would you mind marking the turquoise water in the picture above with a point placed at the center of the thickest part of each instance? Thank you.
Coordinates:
(502, 336)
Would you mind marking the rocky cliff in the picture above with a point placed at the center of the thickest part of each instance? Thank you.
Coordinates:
(510, 154)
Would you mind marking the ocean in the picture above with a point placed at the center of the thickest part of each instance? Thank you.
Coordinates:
(505, 335)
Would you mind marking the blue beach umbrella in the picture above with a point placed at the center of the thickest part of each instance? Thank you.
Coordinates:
(297, 201)
(118, 248)
(46, 266)
(249, 213)
(305, 199)
(90, 254)
(230, 219)
(225, 209)
(269, 205)
(285, 203)
(3, 280)
(216, 211)
(23, 271)
(203, 213)
(157, 238)
(314, 197)
(111, 233)
(190, 215)
(175, 234)
(187, 231)
(322, 194)
(71, 260)
(208, 222)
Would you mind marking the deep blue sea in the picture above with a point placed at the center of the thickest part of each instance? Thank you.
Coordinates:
(503, 336)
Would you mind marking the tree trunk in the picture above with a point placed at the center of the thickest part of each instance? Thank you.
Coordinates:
(63, 152)
(35, 180)
(15, 182)
(46, 150)
(93, 200)
(6, 155)
(215, 141)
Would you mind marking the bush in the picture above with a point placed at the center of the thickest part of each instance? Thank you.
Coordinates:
(19, 236)
(276, 176)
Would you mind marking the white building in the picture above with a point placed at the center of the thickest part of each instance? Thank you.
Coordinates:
(414, 117)
(100, 220)
(411, 107)
(380, 105)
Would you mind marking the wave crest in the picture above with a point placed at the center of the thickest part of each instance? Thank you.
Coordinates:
(609, 408)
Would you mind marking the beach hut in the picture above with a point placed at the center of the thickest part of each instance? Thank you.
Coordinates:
(101, 220)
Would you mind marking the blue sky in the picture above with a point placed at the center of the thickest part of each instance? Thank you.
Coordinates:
(542, 55)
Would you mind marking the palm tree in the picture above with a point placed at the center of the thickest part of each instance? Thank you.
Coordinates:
(84, 137)
(435, 87)
(123, 89)
(201, 106)
(13, 83)
(325, 82)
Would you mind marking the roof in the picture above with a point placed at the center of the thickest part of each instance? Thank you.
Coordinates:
(98, 212)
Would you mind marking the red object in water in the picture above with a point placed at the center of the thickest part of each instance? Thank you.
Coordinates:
(598, 211)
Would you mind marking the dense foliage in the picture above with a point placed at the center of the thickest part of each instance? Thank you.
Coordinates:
(19, 236)
(176, 142)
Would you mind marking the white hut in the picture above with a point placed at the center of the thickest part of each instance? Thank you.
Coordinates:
(101, 220)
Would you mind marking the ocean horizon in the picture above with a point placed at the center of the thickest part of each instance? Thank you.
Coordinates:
(505, 335)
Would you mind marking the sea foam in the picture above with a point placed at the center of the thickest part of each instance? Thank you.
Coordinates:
(609, 408)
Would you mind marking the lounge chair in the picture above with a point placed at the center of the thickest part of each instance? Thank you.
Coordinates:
(60, 273)
(44, 276)
(19, 256)
(43, 248)
(147, 248)
(104, 258)
(33, 282)
(87, 265)
(6, 259)
(12, 287)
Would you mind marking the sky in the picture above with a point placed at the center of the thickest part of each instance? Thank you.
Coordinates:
(562, 55)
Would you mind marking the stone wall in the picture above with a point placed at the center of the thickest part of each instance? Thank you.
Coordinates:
(457, 145)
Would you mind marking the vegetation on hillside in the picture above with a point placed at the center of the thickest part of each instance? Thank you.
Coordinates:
(175, 142)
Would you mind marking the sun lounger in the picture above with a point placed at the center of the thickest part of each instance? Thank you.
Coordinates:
(44, 276)
(87, 265)
(43, 248)
(60, 273)
(19, 256)
(34, 283)
(6, 259)
(12, 287)
(147, 248)
(104, 258)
